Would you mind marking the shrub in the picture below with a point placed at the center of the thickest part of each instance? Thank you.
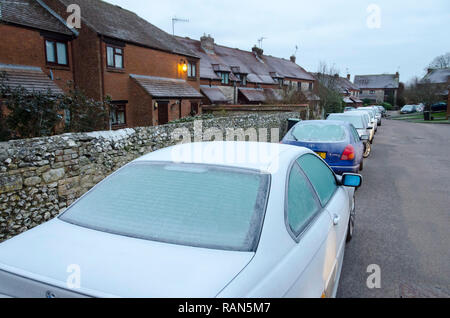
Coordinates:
(388, 106)
(83, 114)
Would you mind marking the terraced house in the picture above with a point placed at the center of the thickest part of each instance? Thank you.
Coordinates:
(233, 76)
(140, 67)
(36, 47)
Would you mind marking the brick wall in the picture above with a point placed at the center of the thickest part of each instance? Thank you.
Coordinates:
(24, 46)
(41, 177)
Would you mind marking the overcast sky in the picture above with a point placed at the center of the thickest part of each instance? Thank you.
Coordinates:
(363, 37)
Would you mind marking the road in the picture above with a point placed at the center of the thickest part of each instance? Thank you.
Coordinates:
(403, 221)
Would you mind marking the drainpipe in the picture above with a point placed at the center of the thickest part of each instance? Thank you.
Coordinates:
(234, 93)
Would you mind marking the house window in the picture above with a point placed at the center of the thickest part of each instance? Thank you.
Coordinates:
(225, 78)
(118, 115)
(56, 52)
(372, 92)
(192, 69)
(311, 86)
(114, 56)
(244, 80)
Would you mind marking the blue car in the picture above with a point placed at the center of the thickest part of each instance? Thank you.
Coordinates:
(336, 142)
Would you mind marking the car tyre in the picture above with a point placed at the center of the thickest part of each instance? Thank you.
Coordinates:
(367, 150)
(351, 222)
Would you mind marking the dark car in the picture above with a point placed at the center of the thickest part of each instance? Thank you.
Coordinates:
(409, 109)
(439, 107)
(336, 142)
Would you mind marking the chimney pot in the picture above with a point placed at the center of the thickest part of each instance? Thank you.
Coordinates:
(349, 77)
(293, 59)
(258, 51)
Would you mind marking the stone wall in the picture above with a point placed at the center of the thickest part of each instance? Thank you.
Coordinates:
(41, 177)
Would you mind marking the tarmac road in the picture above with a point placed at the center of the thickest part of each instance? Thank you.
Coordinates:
(403, 220)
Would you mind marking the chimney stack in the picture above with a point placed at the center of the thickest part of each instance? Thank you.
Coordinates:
(293, 58)
(207, 43)
(258, 51)
(397, 75)
(349, 77)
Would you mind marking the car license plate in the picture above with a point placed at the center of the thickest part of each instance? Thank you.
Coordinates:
(322, 155)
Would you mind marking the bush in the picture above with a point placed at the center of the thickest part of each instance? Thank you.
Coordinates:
(388, 106)
(84, 114)
(37, 114)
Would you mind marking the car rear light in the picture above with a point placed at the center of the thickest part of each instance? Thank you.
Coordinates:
(349, 153)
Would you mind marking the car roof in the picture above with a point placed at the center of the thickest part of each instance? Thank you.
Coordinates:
(244, 155)
(353, 113)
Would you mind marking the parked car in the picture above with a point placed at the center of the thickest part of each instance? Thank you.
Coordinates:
(383, 110)
(378, 115)
(349, 109)
(360, 121)
(370, 123)
(372, 114)
(336, 142)
(207, 227)
(408, 109)
(420, 108)
(439, 107)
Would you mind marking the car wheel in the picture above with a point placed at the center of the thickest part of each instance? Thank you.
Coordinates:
(351, 223)
(367, 150)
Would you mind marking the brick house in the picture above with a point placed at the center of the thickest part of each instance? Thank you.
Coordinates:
(379, 88)
(146, 72)
(35, 47)
(234, 76)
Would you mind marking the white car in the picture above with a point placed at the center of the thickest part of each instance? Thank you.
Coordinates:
(372, 114)
(194, 221)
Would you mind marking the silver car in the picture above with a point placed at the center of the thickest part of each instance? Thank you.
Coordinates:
(220, 219)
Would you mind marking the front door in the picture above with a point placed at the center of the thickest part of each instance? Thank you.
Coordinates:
(163, 113)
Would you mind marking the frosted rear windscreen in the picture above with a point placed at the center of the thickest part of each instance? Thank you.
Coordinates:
(200, 206)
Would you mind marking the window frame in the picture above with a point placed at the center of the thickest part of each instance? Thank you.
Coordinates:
(223, 76)
(297, 237)
(115, 47)
(55, 51)
(331, 170)
(192, 66)
(121, 107)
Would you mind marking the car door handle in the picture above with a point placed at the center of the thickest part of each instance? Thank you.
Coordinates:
(336, 219)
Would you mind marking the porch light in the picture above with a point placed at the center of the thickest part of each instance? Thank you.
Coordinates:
(184, 67)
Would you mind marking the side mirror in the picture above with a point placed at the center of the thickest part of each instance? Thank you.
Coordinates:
(365, 138)
(351, 180)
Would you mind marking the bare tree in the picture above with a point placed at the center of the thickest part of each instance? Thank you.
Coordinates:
(328, 89)
(423, 91)
(442, 61)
